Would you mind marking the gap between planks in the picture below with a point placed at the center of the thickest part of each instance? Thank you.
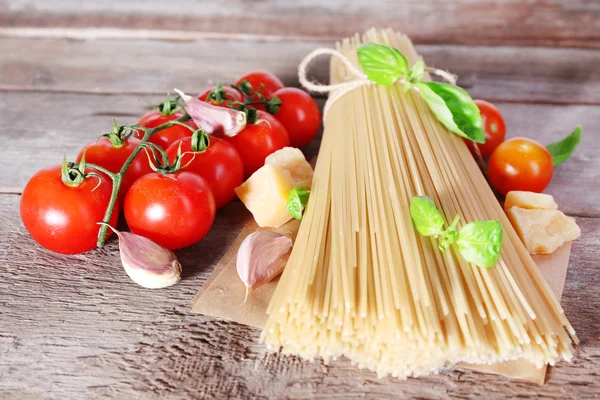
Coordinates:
(547, 76)
(100, 92)
(191, 36)
(150, 34)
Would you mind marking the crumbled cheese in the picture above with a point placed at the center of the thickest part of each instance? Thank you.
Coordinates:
(293, 161)
(530, 201)
(266, 194)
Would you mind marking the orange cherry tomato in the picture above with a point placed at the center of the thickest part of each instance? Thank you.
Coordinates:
(520, 164)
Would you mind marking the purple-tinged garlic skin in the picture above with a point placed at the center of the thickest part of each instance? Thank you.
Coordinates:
(147, 263)
(262, 256)
(218, 121)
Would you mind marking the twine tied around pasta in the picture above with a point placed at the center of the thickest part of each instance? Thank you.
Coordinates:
(336, 91)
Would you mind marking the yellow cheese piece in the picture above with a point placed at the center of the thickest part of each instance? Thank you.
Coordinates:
(266, 194)
(292, 160)
(543, 231)
(529, 200)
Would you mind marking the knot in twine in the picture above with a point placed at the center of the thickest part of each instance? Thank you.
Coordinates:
(336, 91)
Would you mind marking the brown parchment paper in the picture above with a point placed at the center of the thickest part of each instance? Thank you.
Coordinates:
(222, 296)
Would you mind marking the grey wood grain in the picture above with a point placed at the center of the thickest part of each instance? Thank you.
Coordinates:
(538, 22)
(514, 74)
(46, 126)
(76, 327)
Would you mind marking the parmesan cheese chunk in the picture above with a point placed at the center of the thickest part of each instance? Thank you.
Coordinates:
(543, 231)
(293, 161)
(529, 200)
(266, 194)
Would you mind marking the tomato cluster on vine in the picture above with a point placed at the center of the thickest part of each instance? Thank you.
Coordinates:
(165, 173)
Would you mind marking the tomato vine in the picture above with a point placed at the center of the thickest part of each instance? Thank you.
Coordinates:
(117, 178)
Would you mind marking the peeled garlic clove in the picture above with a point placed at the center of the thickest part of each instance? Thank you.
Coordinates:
(147, 263)
(215, 120)
(262, 257)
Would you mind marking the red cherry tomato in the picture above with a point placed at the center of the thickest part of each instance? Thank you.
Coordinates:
(270, 83)
(103, 153)
(220, 164)
(493, 126)
(230, 94)
(520, 164)
(166, 137)
(255, 142)
(299, 114)
(174, 211)
(65, 218)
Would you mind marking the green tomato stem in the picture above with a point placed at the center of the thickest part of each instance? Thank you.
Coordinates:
(110, 174)
(118, 178)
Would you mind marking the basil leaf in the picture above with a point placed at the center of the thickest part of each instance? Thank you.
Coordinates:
(426, 218)
(297, 201)
(454, 108)
(564, 148)
(479, 242)
(383, 64)
(417, 71)
(449, 236)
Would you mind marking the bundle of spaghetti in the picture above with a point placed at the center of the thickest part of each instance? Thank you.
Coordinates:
(360, 281)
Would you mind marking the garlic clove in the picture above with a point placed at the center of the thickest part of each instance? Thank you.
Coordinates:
(262, 256)
(215, 120)
(147, 263)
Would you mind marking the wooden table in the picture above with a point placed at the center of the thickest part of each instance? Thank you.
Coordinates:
(77, 327)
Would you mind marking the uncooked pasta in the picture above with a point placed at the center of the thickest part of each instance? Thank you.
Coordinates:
(361, 282)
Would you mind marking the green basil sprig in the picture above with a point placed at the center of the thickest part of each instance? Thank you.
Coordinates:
(428, 220)
(564, 148)
(383, 64)
(297, 200)
(452, 106)
(478, 242)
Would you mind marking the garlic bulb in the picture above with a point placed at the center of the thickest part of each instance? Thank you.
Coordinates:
(262, 257)
(215, 120)
(147, 263)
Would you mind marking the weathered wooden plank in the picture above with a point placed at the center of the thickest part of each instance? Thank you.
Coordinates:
(558, 76)
(539, 22)
(76, 326)
(45, 126)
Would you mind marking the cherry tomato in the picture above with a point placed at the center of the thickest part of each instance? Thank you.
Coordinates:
(167, 136)
(270, 83)
(520, 164)
(220, 165)
(299, 114)
(103, 153)
(255, 142)
(175, 211)
(230, 94)
(493, 126)
(65, 218)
